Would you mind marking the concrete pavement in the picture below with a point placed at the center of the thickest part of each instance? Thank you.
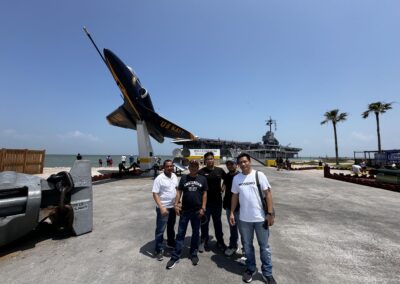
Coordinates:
(326, 231)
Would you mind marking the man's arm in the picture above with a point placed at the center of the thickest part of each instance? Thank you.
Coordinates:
(234, 203)
(177, 207)
(270, 206)
(156, 198)
(203, 203)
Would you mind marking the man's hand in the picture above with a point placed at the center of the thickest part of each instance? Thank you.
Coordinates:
(270, 219)
(177, 210)
(232, 219)
(202, 212)
(163, 211)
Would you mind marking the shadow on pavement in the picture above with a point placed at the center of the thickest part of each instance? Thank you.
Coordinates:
(148, 249)
(43, 231)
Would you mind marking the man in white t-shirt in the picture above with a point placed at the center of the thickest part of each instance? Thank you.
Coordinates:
(253, 217)
(164, 193)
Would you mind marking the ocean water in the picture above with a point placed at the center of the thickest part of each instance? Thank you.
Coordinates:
(55, 160)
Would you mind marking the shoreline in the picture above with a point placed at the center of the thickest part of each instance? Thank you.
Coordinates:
(48, 171)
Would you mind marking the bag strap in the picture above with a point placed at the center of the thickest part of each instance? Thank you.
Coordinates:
(263, 203)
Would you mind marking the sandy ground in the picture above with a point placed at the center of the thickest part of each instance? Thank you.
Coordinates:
(95, 171)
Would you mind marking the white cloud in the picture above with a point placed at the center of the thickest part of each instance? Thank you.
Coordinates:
(361, 136)
(77, 135)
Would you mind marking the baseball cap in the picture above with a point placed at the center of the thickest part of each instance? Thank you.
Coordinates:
(232, 161)
(194, 162)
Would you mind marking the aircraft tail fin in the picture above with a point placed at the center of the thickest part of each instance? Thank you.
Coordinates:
(166, 128)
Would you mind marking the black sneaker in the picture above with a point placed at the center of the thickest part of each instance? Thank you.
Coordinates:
(248, 276)
(160, 256)
(171, 263)
(231, 251)
(195, 259)
(269, 279)
(222, 246)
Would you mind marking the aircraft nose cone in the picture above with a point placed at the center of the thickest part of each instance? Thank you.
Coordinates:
(116, 65)
(110, 56)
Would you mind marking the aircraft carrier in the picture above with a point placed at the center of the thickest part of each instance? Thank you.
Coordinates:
(268, 149)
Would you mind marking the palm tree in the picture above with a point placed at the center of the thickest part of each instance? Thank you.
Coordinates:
(377, 108)
(334, 117)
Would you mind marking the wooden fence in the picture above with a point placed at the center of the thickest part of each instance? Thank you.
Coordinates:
(22, 160)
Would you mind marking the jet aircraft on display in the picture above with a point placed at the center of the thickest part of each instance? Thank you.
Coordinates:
(137, 111)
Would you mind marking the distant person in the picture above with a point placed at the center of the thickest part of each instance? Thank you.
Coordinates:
(363, 166)
(214, 176)
(131, 160)
(111, 162)
(281, 163)
(193, 190)
(108, 158)
(100, 162)
(164, 193)
(123, 159)
(288, 164)
(121, 168)
(79, 157)
(254, 220)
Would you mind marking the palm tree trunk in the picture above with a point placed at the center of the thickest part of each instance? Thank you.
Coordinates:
(378, 131)
(336, 145)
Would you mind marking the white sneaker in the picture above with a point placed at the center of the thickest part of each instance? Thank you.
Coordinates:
(242, 260)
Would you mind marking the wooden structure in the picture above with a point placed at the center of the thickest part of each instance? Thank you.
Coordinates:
(22, 160)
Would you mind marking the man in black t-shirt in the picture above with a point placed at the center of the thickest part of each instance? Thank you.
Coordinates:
(193, 189)
(234, 229)
(214, 177)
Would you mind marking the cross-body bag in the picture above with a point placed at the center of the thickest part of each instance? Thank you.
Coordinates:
(264, 204)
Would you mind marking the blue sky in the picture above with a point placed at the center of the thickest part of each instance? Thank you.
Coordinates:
(216, 68)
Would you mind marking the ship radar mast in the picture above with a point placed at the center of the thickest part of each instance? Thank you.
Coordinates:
(271, 122)
(269, 139)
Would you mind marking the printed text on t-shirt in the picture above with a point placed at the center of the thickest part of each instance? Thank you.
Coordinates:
(247, 183)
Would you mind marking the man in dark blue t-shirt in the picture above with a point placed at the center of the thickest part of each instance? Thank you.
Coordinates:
(193, 189)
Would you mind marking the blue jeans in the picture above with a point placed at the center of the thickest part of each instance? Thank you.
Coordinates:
(234, 230)
(193, 217)
(247, 231)
(215, 213)
(162, 222)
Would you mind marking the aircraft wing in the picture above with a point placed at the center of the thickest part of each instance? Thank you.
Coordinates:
(119, 117)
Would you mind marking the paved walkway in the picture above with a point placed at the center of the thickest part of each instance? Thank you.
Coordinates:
(326, 231)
